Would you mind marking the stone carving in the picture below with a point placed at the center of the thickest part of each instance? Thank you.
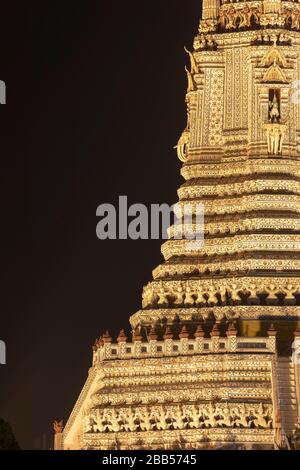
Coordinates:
(177, 381)
(275, 136)
(182, 417)
(183, 146)
(274, 110)
(211, 295)
(237, 17)
(191, 84)
(194, 66)
(291, 17)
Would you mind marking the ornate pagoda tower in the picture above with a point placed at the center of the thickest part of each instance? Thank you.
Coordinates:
(213, 358)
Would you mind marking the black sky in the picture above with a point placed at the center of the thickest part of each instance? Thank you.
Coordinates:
(95, 104)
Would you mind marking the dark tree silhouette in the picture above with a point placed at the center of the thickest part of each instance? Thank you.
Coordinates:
(7, 438)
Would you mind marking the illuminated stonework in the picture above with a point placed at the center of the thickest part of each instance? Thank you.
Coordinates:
(210, 362)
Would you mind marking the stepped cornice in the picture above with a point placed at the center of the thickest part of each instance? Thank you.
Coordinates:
(221, 189)
(243, 204)
(244, 224)
(274, 290)
(241, 167)
(233, 244)
(225, 265)
(230, 313)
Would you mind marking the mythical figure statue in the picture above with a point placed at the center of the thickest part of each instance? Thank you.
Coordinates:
(210, 420)
(194, 66)
(162, 296)
(129, 421)
(295, 17)
(195, 418)
(191, 85)
(231, 17)
(99, 424)
(178, 294)
(275, 137)
(245, 16)
(241, 417)
(179, 420)
(201, 300)
(145, 421)
(212, 297)
(235, 296)
(183, 146)
(258, 418)
(255, 15)
(162, 420)
(222, 20)
(223, 294)
(114, 424)
(189, 300)
(274, 107)
(225, 417)
(58, 427)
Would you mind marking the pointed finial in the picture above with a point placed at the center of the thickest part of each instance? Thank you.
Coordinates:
(106, 338)
(184, 334)
(215, 331)
(169, 333)
(137, 336)
(153, 335)
(232, 331)
(122, 338)
(199, 332)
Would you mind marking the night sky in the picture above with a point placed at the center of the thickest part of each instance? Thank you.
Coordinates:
(95, 104)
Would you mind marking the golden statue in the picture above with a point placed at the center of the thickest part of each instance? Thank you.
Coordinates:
(194, 66)
(191, 85)
(183, 146)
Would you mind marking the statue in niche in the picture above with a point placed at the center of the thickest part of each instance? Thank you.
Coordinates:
(274, 109)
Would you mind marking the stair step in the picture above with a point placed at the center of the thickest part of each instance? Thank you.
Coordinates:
(289, 405)
(288, 401)
(287, 386)
(284, 398)
(287, 397)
